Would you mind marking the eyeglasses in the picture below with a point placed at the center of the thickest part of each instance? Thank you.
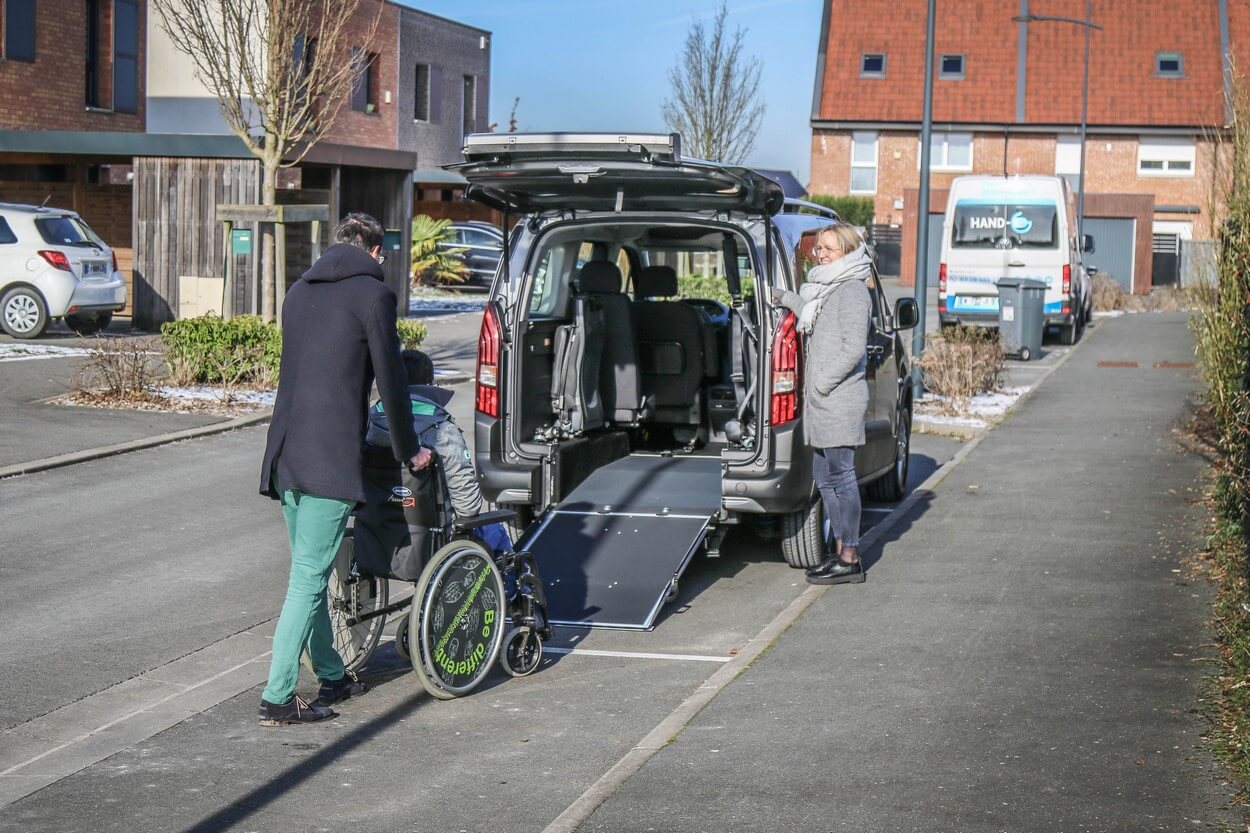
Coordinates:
(825, 249)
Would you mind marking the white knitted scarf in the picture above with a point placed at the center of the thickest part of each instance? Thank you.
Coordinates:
(823, 279)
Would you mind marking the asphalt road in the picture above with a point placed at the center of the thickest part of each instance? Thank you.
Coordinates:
(1021, 641)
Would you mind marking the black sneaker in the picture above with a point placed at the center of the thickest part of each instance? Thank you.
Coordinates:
(336, 691)
(296, 710)
(837, 571)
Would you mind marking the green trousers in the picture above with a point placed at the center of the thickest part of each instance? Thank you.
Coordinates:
(315, 527)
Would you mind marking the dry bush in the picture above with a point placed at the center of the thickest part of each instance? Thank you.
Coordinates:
(1160, 299)
(961, 362)
(124, 368)
(1106, 293)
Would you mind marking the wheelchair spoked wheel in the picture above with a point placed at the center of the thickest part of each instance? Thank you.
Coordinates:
(457, 619)
(522, 651)
(349, 596)
(402, 632)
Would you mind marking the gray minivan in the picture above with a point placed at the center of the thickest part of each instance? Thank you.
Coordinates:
(629, 361)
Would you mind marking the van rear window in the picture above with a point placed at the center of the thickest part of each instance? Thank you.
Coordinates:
(983, 225)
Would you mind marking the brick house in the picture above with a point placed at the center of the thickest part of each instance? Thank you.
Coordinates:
(124, 133)
(1007, 99)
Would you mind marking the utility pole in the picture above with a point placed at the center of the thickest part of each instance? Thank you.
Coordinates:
(922, 209)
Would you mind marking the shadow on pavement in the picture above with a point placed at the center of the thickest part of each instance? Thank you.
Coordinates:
(285, 782)
(899, 530)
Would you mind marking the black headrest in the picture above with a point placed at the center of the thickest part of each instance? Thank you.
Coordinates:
(599, 277)
(655, 282)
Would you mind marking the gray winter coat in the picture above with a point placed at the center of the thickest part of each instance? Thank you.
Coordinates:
(834, 389)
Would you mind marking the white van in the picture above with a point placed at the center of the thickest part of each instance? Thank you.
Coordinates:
(1020, 227)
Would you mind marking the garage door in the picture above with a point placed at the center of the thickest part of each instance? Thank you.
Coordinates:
(1114, 242)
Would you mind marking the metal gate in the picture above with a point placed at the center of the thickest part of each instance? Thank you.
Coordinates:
(935, 246)
(1115, 240)
(1165, 266)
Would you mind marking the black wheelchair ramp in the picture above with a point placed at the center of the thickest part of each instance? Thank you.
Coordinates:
(610, 551)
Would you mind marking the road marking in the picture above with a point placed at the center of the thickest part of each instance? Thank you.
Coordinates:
(673, 725)
(593, 652)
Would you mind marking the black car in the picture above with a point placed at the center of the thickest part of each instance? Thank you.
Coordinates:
(630, 364)
(479, 245)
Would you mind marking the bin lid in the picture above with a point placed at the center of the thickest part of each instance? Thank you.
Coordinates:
(1023, 283)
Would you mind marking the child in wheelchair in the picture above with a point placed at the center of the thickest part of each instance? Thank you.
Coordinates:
(454, 476)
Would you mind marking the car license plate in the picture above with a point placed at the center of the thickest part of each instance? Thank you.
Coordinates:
(978, 301)
(94, 269)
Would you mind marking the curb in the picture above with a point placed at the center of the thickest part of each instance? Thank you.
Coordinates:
(75, 457)
(675, 723)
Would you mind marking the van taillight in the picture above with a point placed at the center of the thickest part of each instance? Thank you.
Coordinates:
(57, 260)
(489, 344)
(942, 288)
(786, 379)
(1067, 279)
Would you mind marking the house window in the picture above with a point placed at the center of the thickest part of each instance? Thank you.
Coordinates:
(1169, 65)
(863, 163)
(365, 85)
(872, 65)
(950, 152)
(19, 30)
(92, 48)
(421, 104)
(125, 56)
(951, 67)
(1165, 156)
(1068, 158)
(469, 105)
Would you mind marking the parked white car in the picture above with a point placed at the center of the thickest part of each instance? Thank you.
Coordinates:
(53, 266)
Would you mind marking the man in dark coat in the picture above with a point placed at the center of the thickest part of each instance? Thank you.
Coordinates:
(338, 335)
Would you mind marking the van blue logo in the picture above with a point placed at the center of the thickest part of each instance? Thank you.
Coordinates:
(1021, 224)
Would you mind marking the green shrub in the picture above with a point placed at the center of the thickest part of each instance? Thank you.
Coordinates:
(703, 286)
(411, 333)
(857, 211)
(244, 351)
(431, 264)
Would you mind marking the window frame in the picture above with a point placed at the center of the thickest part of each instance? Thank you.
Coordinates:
(1178, 157)
(123, 57)
(468, 104)
(866, 73)
(1160, 72)
(364, 89)
(955, 75)
(940, 162)
(421, 113)
(6, 46)
(874, 167)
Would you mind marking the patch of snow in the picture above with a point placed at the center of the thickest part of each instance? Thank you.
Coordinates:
(946, 419)
(206, 393)
(26, 352)
(1114, 313)
(936, 409)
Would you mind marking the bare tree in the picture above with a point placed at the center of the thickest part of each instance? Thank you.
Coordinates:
(716, 104)
(280, 69)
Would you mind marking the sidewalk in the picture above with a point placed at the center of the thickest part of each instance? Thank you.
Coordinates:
(1026, 653)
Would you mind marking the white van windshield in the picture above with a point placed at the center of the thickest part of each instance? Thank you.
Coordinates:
(981, 224)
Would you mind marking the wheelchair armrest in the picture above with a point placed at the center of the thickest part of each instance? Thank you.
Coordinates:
(485, 519)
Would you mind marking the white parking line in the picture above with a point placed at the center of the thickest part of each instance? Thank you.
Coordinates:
(591, 652)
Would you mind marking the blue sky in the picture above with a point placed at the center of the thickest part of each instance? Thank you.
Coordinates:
(595, 65)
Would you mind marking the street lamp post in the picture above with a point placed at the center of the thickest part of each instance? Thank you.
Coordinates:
(1088, 25)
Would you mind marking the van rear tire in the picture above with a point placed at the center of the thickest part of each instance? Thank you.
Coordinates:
(1068, 335)
(803, 535)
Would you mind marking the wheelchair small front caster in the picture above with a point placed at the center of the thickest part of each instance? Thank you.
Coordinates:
(522, 651)
(401, 639)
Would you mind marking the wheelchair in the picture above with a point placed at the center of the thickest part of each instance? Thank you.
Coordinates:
(469, 607)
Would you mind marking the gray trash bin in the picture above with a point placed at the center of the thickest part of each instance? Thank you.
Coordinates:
(1021, 316)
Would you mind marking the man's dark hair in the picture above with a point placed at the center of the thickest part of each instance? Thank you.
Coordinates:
(419, 367)
(359, 230)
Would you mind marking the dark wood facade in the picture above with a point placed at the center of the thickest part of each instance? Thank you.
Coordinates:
(177, 233)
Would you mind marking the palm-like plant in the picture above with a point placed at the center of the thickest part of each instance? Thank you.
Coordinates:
(432, 263)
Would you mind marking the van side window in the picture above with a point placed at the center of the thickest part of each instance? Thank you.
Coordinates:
(553, 272)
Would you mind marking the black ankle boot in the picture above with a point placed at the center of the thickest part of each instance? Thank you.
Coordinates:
(837, 571)
(336, 691)
(293, 711)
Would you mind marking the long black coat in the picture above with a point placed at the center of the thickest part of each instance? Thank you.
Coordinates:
(338, 332)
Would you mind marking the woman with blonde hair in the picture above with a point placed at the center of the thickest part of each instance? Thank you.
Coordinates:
(834, 308)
